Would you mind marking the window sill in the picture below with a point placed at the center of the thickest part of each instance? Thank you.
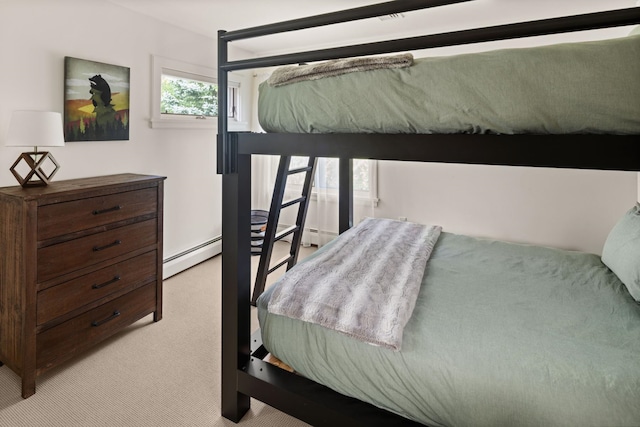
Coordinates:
(196, 124)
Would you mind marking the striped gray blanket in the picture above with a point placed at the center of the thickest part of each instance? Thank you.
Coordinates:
(364, 284)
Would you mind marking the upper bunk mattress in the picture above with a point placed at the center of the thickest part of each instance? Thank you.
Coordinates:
(587, 87)
(501, 335)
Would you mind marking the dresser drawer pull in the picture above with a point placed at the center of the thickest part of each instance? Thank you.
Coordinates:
(99, 248)
(108, 282)
(103, 321)
(101, 211)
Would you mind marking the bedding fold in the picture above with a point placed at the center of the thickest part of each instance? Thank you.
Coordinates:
(365, 285)
(297, 73)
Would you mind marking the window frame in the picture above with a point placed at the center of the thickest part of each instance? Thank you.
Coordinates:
(359, 196)
(180, 69)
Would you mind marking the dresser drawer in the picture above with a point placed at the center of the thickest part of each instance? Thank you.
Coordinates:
(78, 334)
(66, 297)
(75, 254)
(68, 217)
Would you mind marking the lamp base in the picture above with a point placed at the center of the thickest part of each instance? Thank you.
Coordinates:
(36, 175)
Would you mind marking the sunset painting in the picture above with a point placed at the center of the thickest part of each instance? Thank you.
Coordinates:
(96, 101)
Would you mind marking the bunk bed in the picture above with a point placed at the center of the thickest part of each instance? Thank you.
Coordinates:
(246, 375)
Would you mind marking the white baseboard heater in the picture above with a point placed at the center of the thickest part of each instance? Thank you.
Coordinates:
(190, 257)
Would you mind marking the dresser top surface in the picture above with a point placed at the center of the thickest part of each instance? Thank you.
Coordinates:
(80, 185)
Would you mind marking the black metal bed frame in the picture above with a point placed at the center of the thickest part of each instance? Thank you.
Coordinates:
(244, 373)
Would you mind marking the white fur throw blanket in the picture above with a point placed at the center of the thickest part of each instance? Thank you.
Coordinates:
(296, 73)
(365, 284)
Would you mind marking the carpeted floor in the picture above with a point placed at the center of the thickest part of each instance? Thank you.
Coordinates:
(151, 374)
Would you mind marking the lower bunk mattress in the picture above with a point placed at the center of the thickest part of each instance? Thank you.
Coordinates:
(586, 87)
(501, 335)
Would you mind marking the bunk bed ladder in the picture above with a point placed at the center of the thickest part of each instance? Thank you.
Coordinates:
(271, 236)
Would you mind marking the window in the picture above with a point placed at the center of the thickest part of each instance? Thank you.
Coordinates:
(186, 96)
(364, 177)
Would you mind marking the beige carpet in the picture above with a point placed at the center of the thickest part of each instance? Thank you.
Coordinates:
(151, 374)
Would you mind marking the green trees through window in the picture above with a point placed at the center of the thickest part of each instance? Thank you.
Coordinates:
(188, 97)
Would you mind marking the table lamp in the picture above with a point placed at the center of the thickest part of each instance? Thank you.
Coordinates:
(35, 129)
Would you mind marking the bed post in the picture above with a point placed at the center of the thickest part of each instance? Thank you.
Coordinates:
(345, 194)
(236, 262)
(236, 286)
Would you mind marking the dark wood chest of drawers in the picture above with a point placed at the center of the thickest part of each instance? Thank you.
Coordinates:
(79, 261)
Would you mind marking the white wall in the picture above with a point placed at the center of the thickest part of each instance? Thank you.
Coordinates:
(571, 209)
(36, 35)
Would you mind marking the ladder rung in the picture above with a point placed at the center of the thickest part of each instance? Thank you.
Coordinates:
(293, 202)
(285, 232)
(299, 170)
(280, 263)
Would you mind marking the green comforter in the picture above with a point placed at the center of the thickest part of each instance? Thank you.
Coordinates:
(588, 87)
(502, 335)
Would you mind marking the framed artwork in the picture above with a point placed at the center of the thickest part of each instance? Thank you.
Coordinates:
(96, 101)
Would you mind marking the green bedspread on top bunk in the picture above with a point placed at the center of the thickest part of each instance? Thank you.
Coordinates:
(502, 335)
(587, 87)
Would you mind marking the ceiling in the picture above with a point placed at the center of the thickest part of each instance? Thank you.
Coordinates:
(206, 17)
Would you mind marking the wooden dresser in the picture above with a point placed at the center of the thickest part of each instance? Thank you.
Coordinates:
(79, 261)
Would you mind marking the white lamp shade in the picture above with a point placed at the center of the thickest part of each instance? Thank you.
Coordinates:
(35, 129)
